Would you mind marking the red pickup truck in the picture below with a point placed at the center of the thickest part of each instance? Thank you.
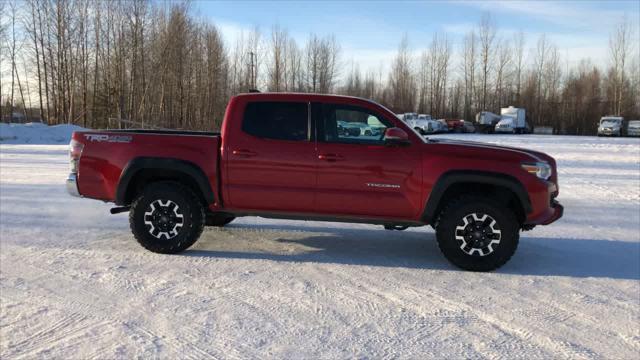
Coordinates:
(282, 156)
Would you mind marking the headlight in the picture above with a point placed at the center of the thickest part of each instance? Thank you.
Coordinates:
(540, 169)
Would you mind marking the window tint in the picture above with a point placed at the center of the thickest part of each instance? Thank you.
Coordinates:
(276, 120)
(348, 124)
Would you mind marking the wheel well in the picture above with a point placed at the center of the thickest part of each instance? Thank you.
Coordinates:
(145, 177)
(503, 194)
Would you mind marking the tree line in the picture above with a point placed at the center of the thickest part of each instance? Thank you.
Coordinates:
(141, 63)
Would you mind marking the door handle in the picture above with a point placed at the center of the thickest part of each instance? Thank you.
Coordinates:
(330, 157)
(244, 153)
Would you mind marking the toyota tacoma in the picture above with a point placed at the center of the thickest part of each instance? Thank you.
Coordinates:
(282, 156)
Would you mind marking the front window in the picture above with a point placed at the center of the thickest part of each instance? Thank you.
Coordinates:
(350, 124)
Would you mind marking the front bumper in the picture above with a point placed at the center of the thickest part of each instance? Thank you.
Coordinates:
(558, 211)
(545, 208)
(72, 185)
(608, 132)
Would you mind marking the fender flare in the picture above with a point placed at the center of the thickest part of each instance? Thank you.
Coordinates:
(146, 163)
(450, 178)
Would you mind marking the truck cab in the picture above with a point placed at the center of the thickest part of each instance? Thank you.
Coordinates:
(512, 121)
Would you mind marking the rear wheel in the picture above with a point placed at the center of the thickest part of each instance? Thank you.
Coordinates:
(166, 218)
(477, 233)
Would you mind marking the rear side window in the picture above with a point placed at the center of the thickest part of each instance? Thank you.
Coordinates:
(277, 120)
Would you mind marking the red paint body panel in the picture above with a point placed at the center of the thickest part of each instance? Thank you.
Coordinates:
(255, 175)
(103, 162)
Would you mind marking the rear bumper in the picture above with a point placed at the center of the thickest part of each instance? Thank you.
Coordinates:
(72, 185)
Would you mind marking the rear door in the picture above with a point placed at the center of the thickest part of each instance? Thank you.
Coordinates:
(271, 161)
(357, 174)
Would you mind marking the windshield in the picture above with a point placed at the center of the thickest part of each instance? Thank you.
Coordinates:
(634, 123)
(610, 122)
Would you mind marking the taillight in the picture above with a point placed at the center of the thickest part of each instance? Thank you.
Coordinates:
(75, 150)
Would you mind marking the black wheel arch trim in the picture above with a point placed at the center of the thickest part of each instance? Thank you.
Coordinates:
(453, 177)
(153, 163)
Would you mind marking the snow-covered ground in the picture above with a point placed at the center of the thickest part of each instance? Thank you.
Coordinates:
(36, 133)
(75, 284)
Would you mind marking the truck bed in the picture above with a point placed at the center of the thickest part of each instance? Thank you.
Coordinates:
(107, 154)
(163, 132)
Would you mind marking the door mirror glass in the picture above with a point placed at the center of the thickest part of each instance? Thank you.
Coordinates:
(396, 136)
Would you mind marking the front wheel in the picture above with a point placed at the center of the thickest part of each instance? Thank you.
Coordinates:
(477, 233)
(167, 218)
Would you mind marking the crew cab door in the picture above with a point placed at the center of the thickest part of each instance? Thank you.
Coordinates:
(270, 160)
(358, 175)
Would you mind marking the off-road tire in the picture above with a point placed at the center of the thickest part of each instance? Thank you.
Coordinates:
(454, 214)
(190, 207)
(217, 219)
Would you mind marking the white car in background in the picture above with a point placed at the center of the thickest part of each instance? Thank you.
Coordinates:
(423, 124)
(634, 128)
(610, 126)
(354, 128)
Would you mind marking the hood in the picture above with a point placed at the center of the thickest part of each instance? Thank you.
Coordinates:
(498, 152)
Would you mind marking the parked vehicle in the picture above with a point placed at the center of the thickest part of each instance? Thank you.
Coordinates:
(281, 155)
(354, 128)
(440, 126)
(455, 125)
(633, 129)
(375, 124)
(344, 128)
(611, 126)
(424, 124)
(468, 127)
(486, 122)
(513, 121)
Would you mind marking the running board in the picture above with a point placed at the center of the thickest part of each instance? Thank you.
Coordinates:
(118, 210)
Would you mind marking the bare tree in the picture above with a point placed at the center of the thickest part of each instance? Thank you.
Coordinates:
(486, 34)
(401, 80)
(3, 37)
(469, 60)
(619, 47)
(541, 54)
(503, 72)
(278, 62)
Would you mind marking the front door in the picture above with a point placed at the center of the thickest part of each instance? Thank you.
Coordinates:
(357, 174)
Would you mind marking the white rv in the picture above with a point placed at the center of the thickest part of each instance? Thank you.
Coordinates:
(512, 121)
(486, 121)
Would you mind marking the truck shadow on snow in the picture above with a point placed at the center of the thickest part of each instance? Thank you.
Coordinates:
(415, 250)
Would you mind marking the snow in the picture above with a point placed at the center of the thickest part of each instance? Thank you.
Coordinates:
(36, 133)
(74, 283)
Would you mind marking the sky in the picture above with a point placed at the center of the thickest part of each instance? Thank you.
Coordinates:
(369, 32)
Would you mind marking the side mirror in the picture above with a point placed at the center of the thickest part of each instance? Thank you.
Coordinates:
(396, 136)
